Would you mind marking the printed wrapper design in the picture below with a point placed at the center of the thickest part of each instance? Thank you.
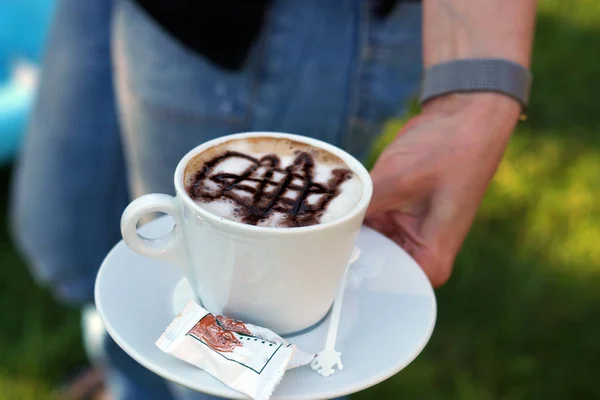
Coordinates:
(245, 357)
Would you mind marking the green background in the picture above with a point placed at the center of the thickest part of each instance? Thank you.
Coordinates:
(520, 318)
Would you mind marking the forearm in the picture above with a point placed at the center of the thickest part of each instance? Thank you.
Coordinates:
(458, 29)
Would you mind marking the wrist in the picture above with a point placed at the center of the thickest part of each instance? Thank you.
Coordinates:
(478, 102)
(495, 111)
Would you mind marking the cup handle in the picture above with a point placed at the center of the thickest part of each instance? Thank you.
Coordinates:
(167, 247)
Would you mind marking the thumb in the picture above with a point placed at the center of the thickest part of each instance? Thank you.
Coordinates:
(397, 177)
(396, 186)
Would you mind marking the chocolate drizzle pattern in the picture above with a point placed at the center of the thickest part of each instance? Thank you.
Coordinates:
(266, 187)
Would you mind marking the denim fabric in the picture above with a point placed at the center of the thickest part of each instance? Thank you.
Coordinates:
(69, 187)
(322, 68)
(121, 102)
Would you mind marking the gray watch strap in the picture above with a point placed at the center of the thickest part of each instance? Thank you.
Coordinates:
(477, 75)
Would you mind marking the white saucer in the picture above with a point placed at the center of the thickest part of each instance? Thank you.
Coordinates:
(388, 315)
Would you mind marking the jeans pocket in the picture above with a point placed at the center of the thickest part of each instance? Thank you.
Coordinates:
(396, 38)
(389, 71)
(391, 64)
(160, 72)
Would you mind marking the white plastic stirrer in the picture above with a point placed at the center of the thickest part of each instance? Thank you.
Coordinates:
(326, 361)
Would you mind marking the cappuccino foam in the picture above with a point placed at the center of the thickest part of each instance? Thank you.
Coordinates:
(274, 182)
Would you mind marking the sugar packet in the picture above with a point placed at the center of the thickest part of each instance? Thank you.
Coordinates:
(245, 357)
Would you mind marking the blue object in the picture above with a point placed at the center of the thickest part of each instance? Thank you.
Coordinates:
(24, 25)
(15, 104)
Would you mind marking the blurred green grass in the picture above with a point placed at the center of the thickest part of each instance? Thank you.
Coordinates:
(520, 318)
(40, 341)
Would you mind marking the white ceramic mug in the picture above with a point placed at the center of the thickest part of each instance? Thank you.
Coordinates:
(284, 279)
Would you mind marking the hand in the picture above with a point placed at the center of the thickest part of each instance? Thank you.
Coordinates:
(428, 184)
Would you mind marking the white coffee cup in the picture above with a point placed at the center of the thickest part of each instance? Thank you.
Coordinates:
(284, 279)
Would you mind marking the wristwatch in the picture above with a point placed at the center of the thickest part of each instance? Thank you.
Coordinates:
(478, 75)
